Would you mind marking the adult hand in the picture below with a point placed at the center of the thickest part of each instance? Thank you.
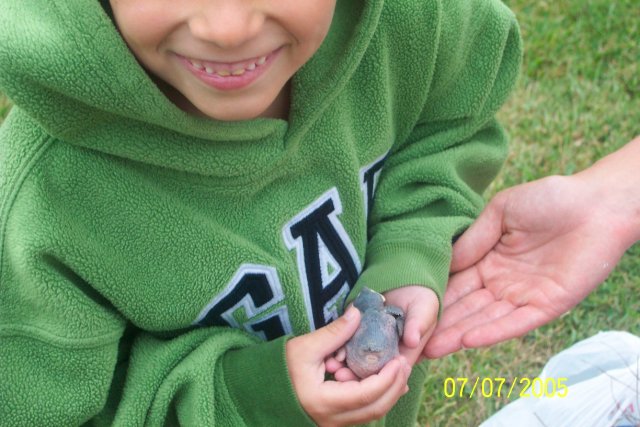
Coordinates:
(535, 252)
(334, 403)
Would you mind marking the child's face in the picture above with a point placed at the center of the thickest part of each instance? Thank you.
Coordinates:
(226, 59)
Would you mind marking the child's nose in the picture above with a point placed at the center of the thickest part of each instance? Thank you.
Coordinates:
(227, 23)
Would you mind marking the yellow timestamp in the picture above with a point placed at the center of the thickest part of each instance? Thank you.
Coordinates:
(487, 387)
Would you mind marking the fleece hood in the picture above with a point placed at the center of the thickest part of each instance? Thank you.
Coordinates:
(65, 65)
(154, 264)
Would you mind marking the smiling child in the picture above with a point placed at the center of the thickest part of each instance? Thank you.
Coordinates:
(192, 191)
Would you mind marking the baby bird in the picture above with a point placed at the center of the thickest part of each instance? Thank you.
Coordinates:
(376, 340)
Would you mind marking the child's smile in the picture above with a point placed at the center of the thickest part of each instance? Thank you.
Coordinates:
(230, 75)
(225, 59)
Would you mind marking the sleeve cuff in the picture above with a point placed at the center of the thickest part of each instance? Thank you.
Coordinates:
(260, 386)
(402, 264)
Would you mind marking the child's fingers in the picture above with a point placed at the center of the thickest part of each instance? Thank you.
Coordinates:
(345, 374)
(342, 403)
(323, 342)
(332, 365)
(376, 408)
(353, 395)
(419, 323)
(336, 361)
(414, 329)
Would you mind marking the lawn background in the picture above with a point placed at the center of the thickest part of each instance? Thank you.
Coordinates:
(578, 99)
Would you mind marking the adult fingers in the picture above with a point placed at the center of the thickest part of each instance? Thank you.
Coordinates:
(460, 285)
(480, 237)
(514, 324)
(466, 306)
(450, 339)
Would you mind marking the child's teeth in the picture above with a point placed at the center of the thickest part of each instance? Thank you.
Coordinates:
(225, 73)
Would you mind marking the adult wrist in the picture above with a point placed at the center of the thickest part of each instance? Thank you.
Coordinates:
(612, 186)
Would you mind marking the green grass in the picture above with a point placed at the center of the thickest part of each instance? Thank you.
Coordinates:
(578, 100)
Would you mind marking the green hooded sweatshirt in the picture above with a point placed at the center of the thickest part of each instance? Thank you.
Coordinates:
(153, 263)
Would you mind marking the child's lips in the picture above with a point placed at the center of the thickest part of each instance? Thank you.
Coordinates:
(229, 75)
(225, 69)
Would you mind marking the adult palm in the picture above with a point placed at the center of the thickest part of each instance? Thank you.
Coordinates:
(534, 253)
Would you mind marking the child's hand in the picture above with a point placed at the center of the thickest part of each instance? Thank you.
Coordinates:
(333, 403)
(420, 306)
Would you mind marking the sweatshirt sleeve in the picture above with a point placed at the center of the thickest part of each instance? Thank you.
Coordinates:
(207, 377)
(211, 377)
(68, 357)
(431, 187)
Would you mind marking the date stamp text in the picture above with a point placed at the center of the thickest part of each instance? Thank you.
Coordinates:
(488, 387)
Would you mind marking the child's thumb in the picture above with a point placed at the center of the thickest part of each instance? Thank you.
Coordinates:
(331, 337)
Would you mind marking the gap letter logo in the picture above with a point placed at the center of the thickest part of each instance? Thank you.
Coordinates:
(255, 289)
(328, 268)
(328, 264)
